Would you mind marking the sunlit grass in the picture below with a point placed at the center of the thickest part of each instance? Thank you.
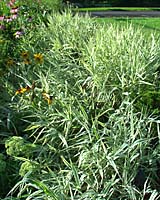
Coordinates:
(148, 25)
(82, 117)
(118, 8)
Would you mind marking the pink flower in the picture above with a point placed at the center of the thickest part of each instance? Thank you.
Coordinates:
(1, 18)
(11, 3)
(2, 27)
(17, 34)
(8, 19)
(14, 16)
(30, 19)
(14, 10)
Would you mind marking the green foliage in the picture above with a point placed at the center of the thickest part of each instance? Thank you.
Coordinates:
(27, 167)
(52, 4)
(17, 19)
(80, 120)
(16, 146)
(2, 163)
(92, 136)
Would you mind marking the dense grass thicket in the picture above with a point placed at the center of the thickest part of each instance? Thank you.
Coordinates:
(79, 112)
(147, 25)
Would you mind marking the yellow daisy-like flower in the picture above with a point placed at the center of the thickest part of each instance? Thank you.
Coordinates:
(47, 97)
(23, 90)
(25, 55)
(27, 61)
(38, 57)
(10, 62)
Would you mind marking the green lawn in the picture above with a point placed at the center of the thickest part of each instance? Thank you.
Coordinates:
(117, 8)
(148, 24)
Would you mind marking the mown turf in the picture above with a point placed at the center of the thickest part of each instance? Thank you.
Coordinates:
(118, 8)
(147, 24)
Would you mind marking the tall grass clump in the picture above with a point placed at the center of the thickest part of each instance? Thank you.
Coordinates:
(85, 121)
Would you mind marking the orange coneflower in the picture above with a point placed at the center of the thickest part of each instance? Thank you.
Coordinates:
(27, 61)
(10, 62)
(23, 90)
(38, 57)
(25, 54)
(47, 97)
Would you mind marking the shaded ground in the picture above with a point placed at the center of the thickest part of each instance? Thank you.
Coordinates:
(122, 13)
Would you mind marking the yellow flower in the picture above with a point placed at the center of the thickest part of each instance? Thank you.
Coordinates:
(47, 97)
(38, 57)
(22, 90)
(26, 61)
(25, 55)
(10, 62)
